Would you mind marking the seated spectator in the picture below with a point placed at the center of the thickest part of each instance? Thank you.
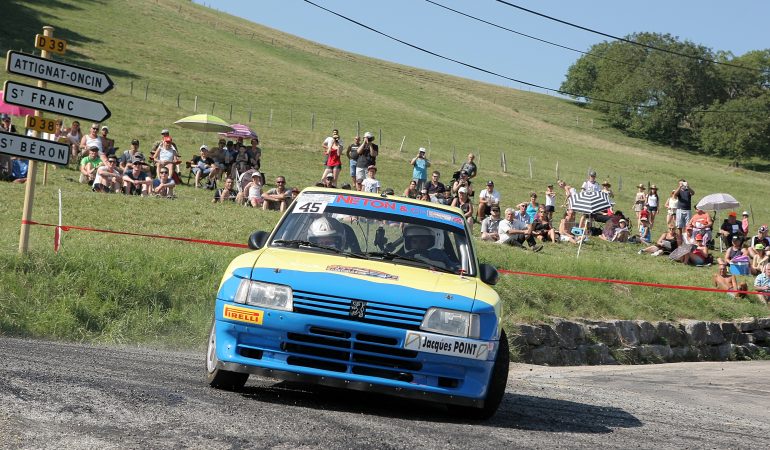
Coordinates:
(700, 223)
(566, 225)
(19, 169)
(411, 190)
(253, 190)
(487, 198)
(759, 259)
(227, 193)
(424, 196)
(762, 284)
(735, 250)
(621, 233)
(521, 214)
(136, 180)
(463, 202)
(645, 233)
(128, 156)
(515, 232)
(241, 162)
(490, 224)
(462, 181)
(277, 198)
(699, 255)
(89, 164)
(255, 154)
(730, 227)
(203, 165)
(610, 226)
(723, 279)
(92, 139)
(108, 177)
(745, 223)
(436, 189)
(167, 156)
(542, 228)
(666, 243)
(163, 186)
(6, 125)
(74, 135)
(328, 181)
(760, 238)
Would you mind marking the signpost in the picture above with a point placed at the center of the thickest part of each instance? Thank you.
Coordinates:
(58, 72)
(55, 102)
(33, 148)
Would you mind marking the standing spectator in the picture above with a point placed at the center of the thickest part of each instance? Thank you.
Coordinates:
(532, 207)
(163, 186)
(639, 201)
(652, 201)
(108, 145)
(760, 238)
(470, 167)
(683, 194)
(463, 202)
(490, 225)
(762, 284)
(128, 156)
(411, 191)
(136, 181)
(352, 154)
(89, 164)
(420, 166)
(203, 165)
(277, 198)
(745, 223)
(255, 154)
(332, 151)
(166, 155)
(367, 156)
(731, 228)
(463, 181)
(371, 184)
(488, 198)
(550, 201)
(92, 139)
(108, 178)
(74, 135)
(515, 232)
(607, 189)
(436, 189)
(590, 185)
(227, 193)
(671, 205)
(569, 191)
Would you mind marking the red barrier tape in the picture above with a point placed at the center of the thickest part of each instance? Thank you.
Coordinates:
(502, 271)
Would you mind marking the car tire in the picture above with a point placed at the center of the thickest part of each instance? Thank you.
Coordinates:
(220, 378)
(496, 390)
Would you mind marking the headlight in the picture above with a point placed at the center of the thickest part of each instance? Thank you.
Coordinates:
(453, 323)
(267, 295)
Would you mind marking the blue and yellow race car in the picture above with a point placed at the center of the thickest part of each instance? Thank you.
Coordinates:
(366, 292)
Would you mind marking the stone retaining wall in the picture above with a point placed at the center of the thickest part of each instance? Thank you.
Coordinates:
(589, 342)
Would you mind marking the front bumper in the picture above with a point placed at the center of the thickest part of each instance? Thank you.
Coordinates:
(347, 354)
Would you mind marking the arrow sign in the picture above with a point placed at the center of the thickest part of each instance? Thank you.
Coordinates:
(58, 72)
(34, 148)
(55, 102)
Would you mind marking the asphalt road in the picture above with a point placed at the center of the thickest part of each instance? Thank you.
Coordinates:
(58, 395)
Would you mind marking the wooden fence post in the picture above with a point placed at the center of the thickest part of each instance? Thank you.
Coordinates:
(454, 155)
(195, 107)
(250, 116)
(231, 113)
(212, 107)
(132, 88)
(312, 121)
(146, 90)
(380, 138)
(557, 171)
(177, 100)
(358, 128)
(402, 144)
(504, 162)
(270, 121)
(530, 167)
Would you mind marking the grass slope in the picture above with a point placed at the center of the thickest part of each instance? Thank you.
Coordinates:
(121, 289)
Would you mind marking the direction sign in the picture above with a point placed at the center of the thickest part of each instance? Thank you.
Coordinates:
(34, 148)
(57, 72)
(55, 102)
(50, 44)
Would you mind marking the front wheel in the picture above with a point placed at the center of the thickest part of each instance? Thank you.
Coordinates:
(220, 378)
(496, 389)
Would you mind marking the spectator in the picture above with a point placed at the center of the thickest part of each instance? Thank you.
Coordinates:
(420, 166)
(328, 182)
(724, 280)
(762, 284)
(550, 201)
(469, 167)
(164, 133)
(652, 202)
(74, 135)
(683, 194)
(92, 139)
(759, 259)
(731, 228)
(745, 223)
(89, 164)
(700, 223)
(6, 125)
(367, 156)
(277, 198)
(645, 231)
(606, 188)
(136, 181)
(621, 233)
(521, 214)
(666, 243)
(108, 145)
(254, 191)
(128, 156)
(436, 189)
(242, 161)
(591, 185)
(332, 151)
(463, 181)
(699, 256)
(760, 238)
(19, 169)
(255, 154)
(163, 186)
(671, 205)
(370, 184)
(532, 207)
(515, 232)
(639, 201)
(569, 191)
(218, 155)
(733, 251)
(488, 198)
(229, 153)
(542, 229)
(463, 202)
(352, 154)
(108, 177)
(167, 156)
(203, 165)
(566, 226)
(228, 194)
(411, 191)
(424, 196)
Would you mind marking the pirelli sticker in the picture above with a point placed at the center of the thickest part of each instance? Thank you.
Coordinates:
(447, 345)
(247, 315)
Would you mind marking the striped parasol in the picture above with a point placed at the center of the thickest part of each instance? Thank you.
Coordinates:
(240, 131)
(590, 202)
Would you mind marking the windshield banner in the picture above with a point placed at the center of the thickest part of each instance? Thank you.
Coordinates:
(390, 206)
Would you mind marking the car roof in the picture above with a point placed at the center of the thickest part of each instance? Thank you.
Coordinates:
(395, 197)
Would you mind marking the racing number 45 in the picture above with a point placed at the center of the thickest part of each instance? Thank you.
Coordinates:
(311, 207)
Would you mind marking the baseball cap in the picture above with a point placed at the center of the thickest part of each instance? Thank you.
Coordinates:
(105, 128)
(622, 221)
(135, 142)
(372, 168)
(329, 176)
(732, 214)
(592, 173)
(256, 175)
(699, 237)
(93, 148)
(763, 229)
(368, 134)
(204, 147)
(490, 183)
(164, 131)
(4, 116)
(745, 213)
(422, 150)
(736, 238)
(463, 190)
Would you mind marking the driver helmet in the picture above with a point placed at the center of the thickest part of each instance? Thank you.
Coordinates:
(326, 231)
(417, 237)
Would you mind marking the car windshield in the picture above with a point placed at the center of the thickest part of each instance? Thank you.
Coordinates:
(386, 229)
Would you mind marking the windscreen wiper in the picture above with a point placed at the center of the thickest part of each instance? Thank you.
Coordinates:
(390, 256)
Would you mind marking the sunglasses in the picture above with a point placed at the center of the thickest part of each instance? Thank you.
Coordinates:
(164, 172)
(280, 182)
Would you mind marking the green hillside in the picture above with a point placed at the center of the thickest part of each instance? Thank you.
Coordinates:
(114, 288)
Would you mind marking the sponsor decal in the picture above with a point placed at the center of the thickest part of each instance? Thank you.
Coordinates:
(447, 345)
(362, 271)
(393, 207)
(239, 314)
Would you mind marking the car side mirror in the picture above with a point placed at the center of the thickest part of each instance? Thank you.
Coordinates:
(258, 239)
(489, 274)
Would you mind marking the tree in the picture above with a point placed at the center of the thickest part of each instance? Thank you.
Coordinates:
(738, 128)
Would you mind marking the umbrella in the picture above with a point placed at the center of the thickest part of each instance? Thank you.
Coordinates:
(14, 110)
(589, 202)
(716, 202)
(204, 122)
(240, 130)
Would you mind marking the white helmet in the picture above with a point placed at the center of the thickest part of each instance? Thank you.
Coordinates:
(418, 231)
(326, 231)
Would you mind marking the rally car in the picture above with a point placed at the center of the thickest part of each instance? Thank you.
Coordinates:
(367, 292)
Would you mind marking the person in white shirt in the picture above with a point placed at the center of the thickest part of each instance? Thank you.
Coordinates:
(371, 184)
(487, 198)
(591, 185)
(515, 232)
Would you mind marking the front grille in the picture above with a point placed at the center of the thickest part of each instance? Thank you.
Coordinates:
(378, 313)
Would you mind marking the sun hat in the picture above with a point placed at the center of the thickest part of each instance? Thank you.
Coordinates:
(759, 247)
(640, 186)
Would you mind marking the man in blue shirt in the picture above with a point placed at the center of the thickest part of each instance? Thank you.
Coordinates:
(19, 168)
(420, 171)
(762, 284)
